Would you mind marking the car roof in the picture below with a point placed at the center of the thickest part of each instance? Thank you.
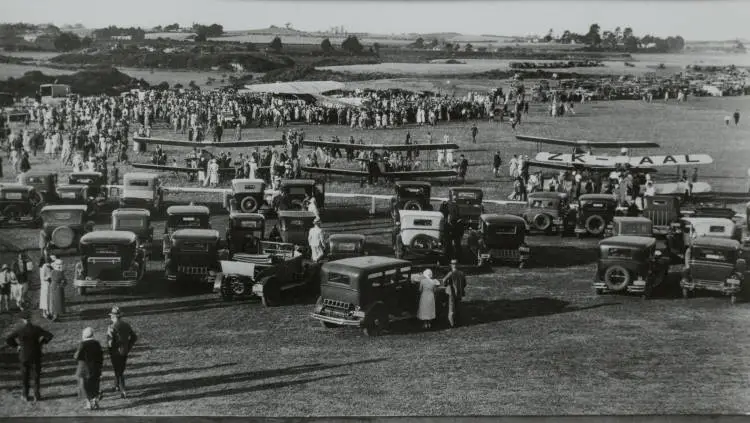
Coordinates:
(628, 241)
(15, 187)
(140, 175)
(295, 213)
(298, 182)
(249, 181)
(131, 212)
(420, 213)
(607, 197)
(64, 207)
(187, 210)
(412, 183)
(203, 234)
(256, 216)
(502, 218)
(39, 173)
(546, 194)
(114, 237)
(367, 263)
(709, 241)
(709, 220)
(86, 173)
(346, 237)
(639, 219)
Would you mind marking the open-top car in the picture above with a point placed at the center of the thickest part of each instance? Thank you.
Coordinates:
(193, 256)
(630, 264)
(341, 246)
(278, 271)
(142, 190)
(184, 217)
(137, 221)
(369, 293)
(548, 211)
(422, 234)
(466, 204)
(109, 259)
(297, 190)
(664, 213)
(244, 233)
(500, 238)
(20, 204)
(248, 195)
(64, 225)
(714, 264)
(594, 213)
(44, 182)
(410, 196)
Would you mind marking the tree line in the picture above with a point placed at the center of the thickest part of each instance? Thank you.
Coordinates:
(618, 39)
(350, 45)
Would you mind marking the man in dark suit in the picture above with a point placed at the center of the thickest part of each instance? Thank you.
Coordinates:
(120, 340)
(455, 281)
(28, 339)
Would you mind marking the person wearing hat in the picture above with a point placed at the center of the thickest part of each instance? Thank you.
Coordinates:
(45, 277)
(28, 340)
(5, 282)
(455, 283)
(120, 340)
(426, 311)
(316, 240)
(22, 268)
(57, 291)
(90, 358)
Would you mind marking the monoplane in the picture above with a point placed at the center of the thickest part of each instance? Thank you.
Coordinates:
(204, 144)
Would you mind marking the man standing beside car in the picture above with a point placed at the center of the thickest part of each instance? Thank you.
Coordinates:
(120, 340)
(455, 282)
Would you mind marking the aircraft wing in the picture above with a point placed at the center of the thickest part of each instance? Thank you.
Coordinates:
(738, 197)
(203, 145)
(389, 147)
(584, 143)
(638, 162)
(562, 165)
(331, 171)
(179, 169)
(421, 174)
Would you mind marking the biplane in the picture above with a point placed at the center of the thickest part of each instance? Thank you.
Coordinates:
(188, 168)
(379, 171)
(204, 144)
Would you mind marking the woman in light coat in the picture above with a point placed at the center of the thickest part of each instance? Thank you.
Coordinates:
(57, 290)
(426, 312)
(45, 277)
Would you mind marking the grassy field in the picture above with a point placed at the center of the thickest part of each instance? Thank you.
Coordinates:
(536, 341)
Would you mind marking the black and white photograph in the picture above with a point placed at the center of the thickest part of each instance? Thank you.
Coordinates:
(374, 209)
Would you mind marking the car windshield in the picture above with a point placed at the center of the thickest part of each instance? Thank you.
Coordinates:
(63, 216)
(108, 250)
(713, 254)
(35, 180)
(293, 222)
(81, 180)
(138, 183)
(249, 224)
(193, 246)
(717, 229)
(13, 195)
(466, 195)
(412, 191)
(339, 278)
(131, 223)
(503, 229)
(187, 221)
(619, 252)
(635, 228)
(344, 247)
(297, 191)
(422, 222)
(539, 204)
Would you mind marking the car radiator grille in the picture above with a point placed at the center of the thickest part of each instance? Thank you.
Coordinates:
(252, 258)
(192, 270)
(659, 217)
(338, 305)
(709, 284)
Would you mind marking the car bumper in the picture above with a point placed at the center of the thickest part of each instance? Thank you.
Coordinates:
(98, 283)
(579, 230)
(505, 254)
(336, 320)
(638, 286)
(730, 288)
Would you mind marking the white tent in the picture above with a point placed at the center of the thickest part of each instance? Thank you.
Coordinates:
(712, 90)
(296, 87)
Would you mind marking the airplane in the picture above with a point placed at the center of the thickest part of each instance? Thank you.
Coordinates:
(202, 144)
(439, 173)
(580, 144)
(375, 147)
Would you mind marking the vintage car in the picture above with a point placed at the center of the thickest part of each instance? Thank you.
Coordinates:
(633, 226)
(630, 264)
(44, 182)
(87, 188)
(547, 211)
(137, 221)
(594, 213)
(248, 195)
(193, 256)
(500, 238)
(20, 204)
(244, 232)
(714, 264)
(184, 217)
(297, 190)
(664, 213)
(420, 233)
(63, 225)
(696, 227)
(142, 190)
(341, 246)
(466, 204)
(109, 259)
(410, 195)
(278, 271)
(294, 226)
(369, 292)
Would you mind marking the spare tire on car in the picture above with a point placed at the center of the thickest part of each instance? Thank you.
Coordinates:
(63, 237)
(595, 224)
(617, 278)
(542, 222)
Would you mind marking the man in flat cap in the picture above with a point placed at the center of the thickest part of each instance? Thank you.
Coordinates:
(120, 340)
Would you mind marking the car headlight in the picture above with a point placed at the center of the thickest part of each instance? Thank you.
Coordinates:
(211, 273)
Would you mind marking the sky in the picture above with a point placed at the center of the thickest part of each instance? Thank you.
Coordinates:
(692, 19)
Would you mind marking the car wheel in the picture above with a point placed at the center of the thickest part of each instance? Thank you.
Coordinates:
(81, 291)
(249, 205)
(375, 324)
(237, 286)
(226, 290)
(542, 222)
(617, 278)
(412, 205)
(271, 295)
(595, 225)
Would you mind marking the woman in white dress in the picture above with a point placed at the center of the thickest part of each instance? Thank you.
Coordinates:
(213, 173)
(45, 275)
(426, 312)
